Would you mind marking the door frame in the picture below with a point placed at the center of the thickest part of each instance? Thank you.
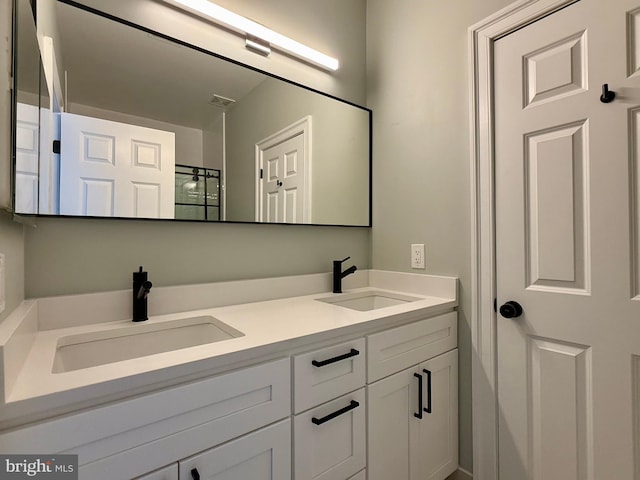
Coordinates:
(481, 38)
(302, 126)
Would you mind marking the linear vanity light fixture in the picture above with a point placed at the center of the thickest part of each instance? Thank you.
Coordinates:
(250, 28)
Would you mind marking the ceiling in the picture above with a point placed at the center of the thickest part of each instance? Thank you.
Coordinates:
(116, 67)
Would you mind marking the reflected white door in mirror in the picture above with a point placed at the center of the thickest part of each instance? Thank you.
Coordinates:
(27, 125)
(284, 171)
(112, 169)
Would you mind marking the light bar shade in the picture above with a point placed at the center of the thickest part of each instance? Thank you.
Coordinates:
(248, 27)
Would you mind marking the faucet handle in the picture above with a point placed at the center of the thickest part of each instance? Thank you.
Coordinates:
(344, 259)
(144, 290)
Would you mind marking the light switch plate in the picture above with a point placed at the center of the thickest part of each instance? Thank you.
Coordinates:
(2, 283)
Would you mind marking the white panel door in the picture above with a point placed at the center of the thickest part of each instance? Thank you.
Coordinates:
(27, 148)
(283, 181)
(116, 170)
(567, 222)
(283, 175)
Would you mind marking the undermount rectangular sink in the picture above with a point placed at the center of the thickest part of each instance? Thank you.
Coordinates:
(76, 352)
(369, 300)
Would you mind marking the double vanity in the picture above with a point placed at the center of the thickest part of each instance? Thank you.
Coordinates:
(261, 379)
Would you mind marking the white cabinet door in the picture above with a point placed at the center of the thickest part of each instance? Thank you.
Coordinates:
(262, 455)
(391, 425)
(405, 441)
(438, 430)
(330, 440)
(167, 473)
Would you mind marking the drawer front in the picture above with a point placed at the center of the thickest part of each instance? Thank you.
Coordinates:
(167, 473)
(132, 437)
(328, 373)
(261, 455)
(394, 350)
(334, 447)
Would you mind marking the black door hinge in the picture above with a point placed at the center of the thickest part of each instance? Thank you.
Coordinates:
(56, 146)
(261, 173)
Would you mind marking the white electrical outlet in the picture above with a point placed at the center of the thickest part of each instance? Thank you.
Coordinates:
(2, 283)
(417, 255)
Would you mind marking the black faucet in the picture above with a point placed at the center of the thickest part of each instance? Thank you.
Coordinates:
(141, 289)
(338, 274)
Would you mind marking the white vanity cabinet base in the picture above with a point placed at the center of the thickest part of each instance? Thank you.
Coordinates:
(132, 437)
(314, 385)
(261, 455)
(402, 446)
(167, 473)
(336, 449)
(396, 349)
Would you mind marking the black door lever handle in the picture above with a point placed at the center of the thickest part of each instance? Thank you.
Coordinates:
(607, 96)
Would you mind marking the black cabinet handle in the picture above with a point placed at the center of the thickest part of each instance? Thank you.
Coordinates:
(428, 407)
(337, 413)
(419, 414)
(322, 363)
(194, 474)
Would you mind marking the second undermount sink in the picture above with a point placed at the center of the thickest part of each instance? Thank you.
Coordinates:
(85, 350)
(368, 300)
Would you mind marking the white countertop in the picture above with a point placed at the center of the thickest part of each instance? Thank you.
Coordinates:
(271, 328)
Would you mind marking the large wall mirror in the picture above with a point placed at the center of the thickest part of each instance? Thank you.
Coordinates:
(113, 120)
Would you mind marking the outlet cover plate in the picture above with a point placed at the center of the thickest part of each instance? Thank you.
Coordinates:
(417, 255)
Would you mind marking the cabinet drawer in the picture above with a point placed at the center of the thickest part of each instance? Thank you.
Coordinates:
(262, 455)
(132, 437)
(329, 446)
(167, 473)
(394, 350)
(328, 373)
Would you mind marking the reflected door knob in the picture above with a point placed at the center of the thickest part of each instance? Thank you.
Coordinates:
(511, 309)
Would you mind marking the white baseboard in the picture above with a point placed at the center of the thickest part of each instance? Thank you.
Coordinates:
(460, 474)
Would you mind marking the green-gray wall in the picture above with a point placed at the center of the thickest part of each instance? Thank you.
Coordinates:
(417, 82)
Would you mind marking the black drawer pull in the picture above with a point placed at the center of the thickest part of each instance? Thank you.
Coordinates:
(194, 474)
(428, 407)
(419, 414)
(337, 413)
(322, 363)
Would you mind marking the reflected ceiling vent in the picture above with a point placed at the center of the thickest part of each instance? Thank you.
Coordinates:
(220, 101)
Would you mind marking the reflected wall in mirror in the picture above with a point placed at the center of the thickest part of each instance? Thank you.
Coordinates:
(139, 110)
